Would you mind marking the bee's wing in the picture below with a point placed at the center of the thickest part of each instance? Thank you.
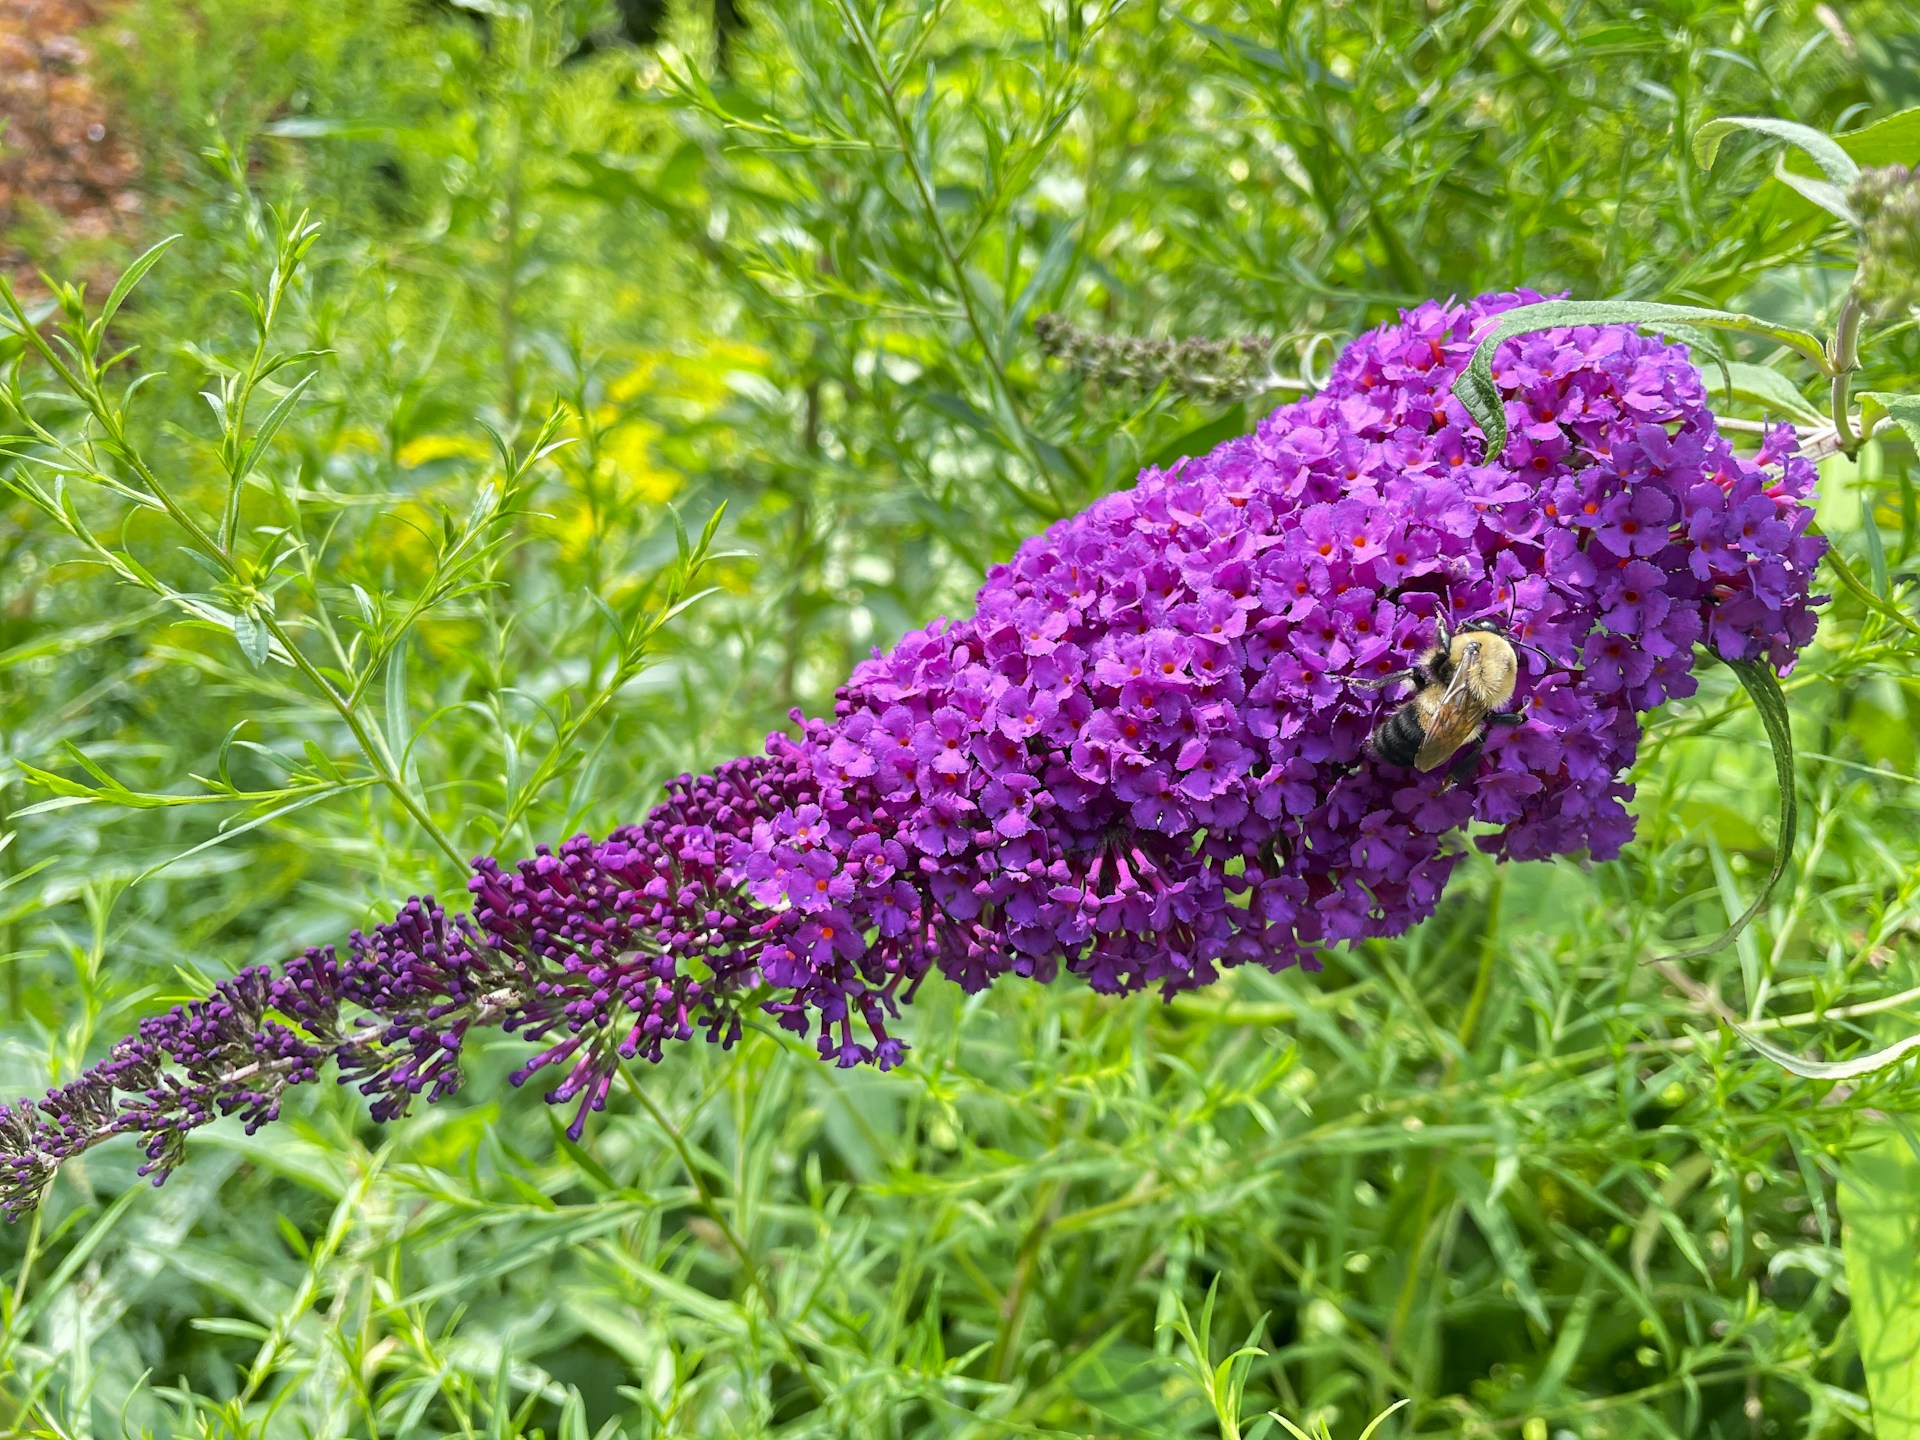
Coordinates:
(1455, 720)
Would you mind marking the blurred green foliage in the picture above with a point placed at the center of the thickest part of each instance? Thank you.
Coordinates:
(1500, 1168)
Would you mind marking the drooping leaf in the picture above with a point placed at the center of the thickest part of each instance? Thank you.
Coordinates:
(1834, 163)
(1823, 193)
(1849, 1069)
(1476, 389)
(1758, 678)
(1892, 141)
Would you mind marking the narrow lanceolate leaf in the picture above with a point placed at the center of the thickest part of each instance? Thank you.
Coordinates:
(270, 427)
(399, 714)
(1876, 552)
(1834, 163)
(1851, 1069)
(1496, 1226)
(1880, 1235)
(1759, 680)
(1476, 389)
(131, 277)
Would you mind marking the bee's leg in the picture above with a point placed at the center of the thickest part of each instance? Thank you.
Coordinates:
(1382, 682)
(1414, 673)
(1464, 764)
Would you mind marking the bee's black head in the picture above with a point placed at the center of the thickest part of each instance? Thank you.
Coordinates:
(1487, 627)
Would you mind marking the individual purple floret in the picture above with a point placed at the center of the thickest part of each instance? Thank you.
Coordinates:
(1141, 760)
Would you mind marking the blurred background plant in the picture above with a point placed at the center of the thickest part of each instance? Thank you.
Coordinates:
(787, 259)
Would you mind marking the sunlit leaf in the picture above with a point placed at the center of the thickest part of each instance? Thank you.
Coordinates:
(1880, 1234)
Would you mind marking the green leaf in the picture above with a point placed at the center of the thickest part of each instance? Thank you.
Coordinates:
(1382, 1418)
(1880, 1236)
(1767, 388)
(963, 412)
(1856, 587)
(270, 426)
(253, 638)
(1834, 163)
(221, 837)
(1903, 410)
(1476, 389)
(398, 715)
(248, 1330)
(44, 1292)
(1892, 141)
(1876, 550)
(1502, 1239)
(1202, 438)
(132, 276)
(584, 1159)
(1064, 247)
(1828, 196)
(1759, 679)
(1851, 1069)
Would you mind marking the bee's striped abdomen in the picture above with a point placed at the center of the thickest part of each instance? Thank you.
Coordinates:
(1400, 736)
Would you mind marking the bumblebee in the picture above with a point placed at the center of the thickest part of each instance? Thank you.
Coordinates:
(1464, 682)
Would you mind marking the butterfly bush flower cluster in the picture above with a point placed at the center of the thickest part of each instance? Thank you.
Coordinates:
(1142, 759)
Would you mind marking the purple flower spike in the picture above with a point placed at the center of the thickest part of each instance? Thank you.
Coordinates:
(1142, 760)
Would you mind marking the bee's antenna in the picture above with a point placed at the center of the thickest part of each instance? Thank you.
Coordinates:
(1523, 645)
(1513, 606)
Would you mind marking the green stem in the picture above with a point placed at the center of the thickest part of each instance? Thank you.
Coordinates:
(1857, 588)
(719, 1218)
(243, 397)
(1845, 359)
(87, 389)
(561, 751)
(930, 209)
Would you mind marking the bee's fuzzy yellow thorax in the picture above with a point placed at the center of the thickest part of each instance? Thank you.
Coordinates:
(1489, 664)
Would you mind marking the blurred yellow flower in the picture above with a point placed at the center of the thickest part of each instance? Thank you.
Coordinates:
(425, 449)
(627, 461)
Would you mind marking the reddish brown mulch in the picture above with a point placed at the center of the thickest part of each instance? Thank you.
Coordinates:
(65, 169)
